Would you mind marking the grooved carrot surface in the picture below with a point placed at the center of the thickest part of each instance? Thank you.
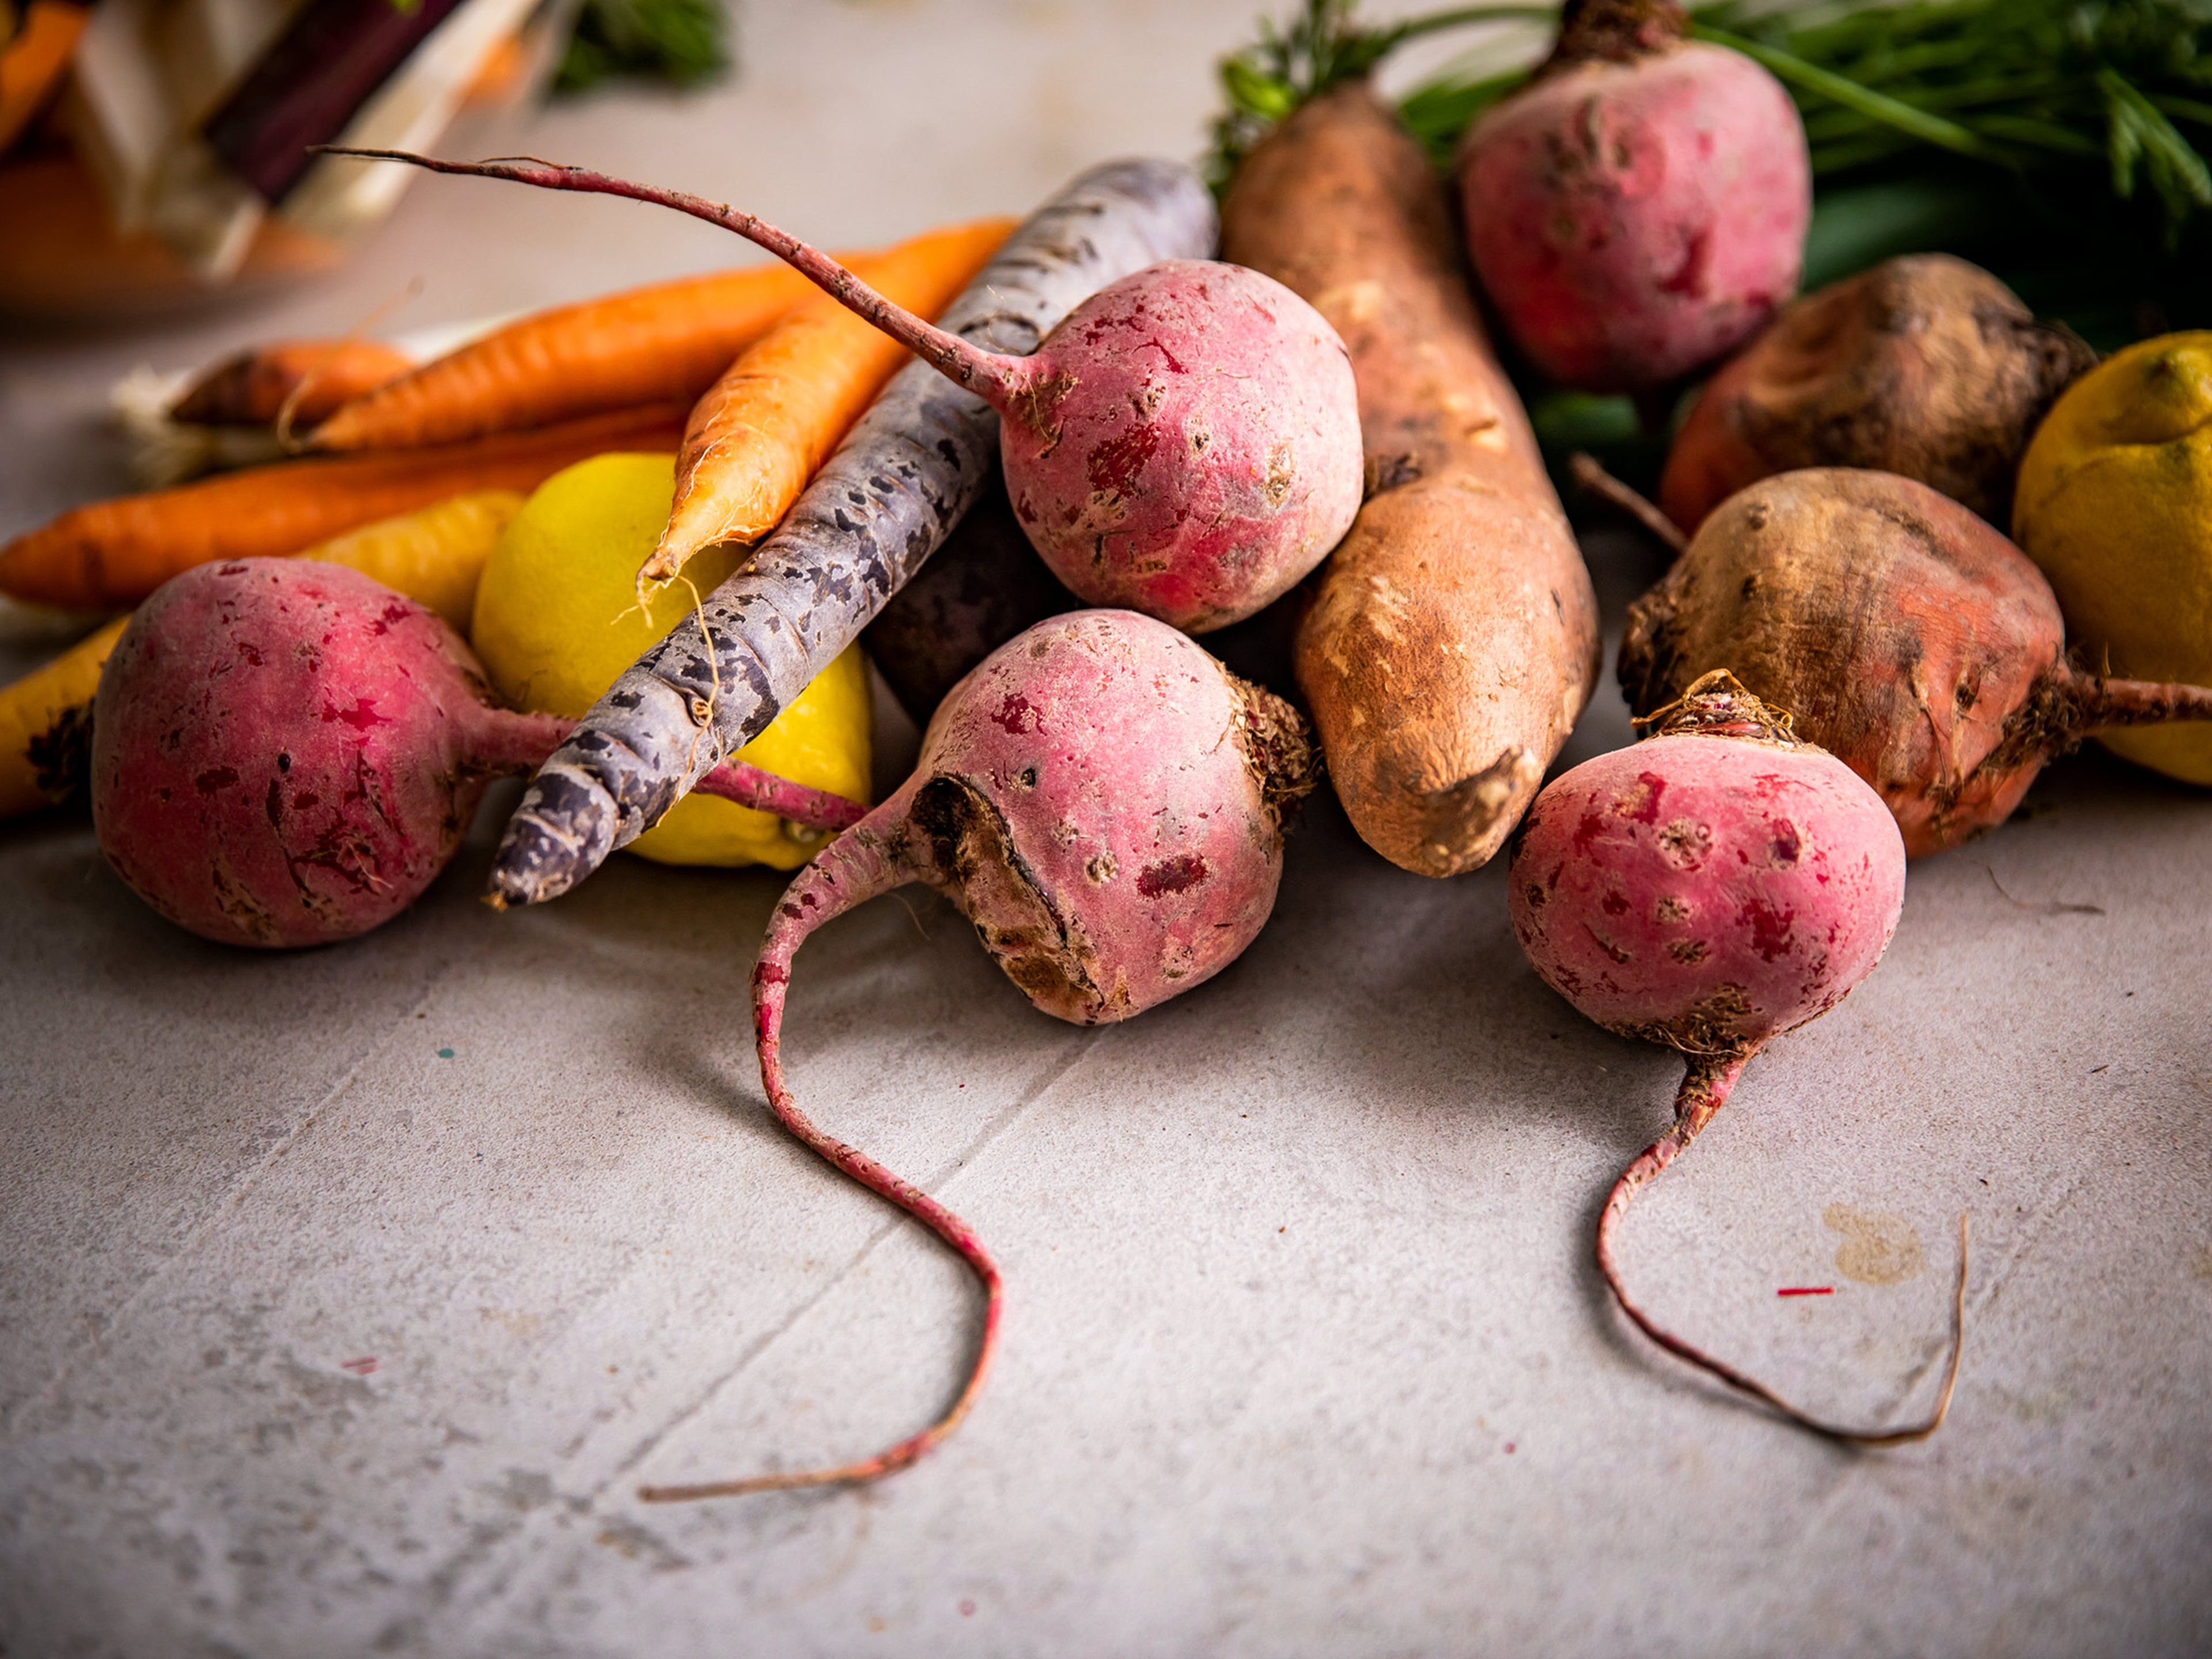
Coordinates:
(665, 343)
(764, 427)
(114, 553)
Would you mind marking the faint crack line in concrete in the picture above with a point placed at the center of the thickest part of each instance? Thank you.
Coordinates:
(937, 1182)
(221, 1211)
(944, 1175)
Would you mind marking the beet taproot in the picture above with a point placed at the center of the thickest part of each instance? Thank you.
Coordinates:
(1906, 634)
(1925, 366)
(1710, 888)
(1105, 802)
(1638, 209)
(286, 753)
(1185, 442)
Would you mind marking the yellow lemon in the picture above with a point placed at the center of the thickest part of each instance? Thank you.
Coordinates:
(2115, 504)
(557, 619)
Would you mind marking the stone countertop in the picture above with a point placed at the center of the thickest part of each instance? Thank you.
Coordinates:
(347, 1297)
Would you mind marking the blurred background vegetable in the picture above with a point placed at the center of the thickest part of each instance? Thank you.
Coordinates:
(2060, 144)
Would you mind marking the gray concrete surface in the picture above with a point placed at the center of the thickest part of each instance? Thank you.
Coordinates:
(347, 1297)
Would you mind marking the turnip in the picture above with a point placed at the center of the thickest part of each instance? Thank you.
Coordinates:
(286, 753)
(1185, 443)
(1105, 802)
(1710, 888)
(1639, 209)
(1905, 635)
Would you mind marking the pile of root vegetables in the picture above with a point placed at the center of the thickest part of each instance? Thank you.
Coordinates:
(1125, 423)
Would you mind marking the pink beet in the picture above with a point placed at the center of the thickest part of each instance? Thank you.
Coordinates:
(1710, 888)
(1637, 211)
(1105, 802)
(286, 753)
(1185, 443)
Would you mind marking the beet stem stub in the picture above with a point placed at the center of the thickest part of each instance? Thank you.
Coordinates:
(998, 380)
(870, 858)
(1706, 1084)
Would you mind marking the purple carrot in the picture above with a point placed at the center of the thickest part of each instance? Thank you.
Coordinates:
(1186, 443)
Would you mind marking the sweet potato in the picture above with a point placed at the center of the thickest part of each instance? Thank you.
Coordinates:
(1453, 638)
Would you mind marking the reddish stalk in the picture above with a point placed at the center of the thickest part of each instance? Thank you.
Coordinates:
(749, 786)
(2107, 705)
(997, 380)
(867, 860)
(505, 740)
(1706, 1085)
(1593, 477)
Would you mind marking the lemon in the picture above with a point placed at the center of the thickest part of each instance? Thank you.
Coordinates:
(2115, 504)
(557, 619)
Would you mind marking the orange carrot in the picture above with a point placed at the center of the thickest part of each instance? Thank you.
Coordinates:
(251, 388)
(32, 63)
(113, 554)
(660, 345)
(758, 435)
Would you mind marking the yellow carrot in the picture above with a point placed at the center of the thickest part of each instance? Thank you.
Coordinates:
(434, 554)
(660, 345)
(113, 554)
(30, 707)
(758, 435)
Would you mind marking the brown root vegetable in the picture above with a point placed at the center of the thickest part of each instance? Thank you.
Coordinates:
(1925, 366)
(1453, 638)
(1904, 634)
(304, 380)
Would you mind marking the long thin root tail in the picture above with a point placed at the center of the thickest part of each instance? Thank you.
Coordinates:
(988, 375)
(859, 865)
(1705, 1088)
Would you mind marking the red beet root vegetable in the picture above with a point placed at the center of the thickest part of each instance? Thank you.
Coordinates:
(1185, 443)
(287, 753)
(1710, 888)
(1104, 801)
(1910, 639)
(1639, 209)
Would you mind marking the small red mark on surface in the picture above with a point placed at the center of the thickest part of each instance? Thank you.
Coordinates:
(221, 777)
(1771, 932)
(1508, 1449)
(1115, 464)
(967, 1609)
(1016, 715)
(361, 1367)
(360, 716)
(1807, 1290)
(1173, 875)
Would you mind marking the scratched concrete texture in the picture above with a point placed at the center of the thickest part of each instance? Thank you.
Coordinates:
(347, 1298)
